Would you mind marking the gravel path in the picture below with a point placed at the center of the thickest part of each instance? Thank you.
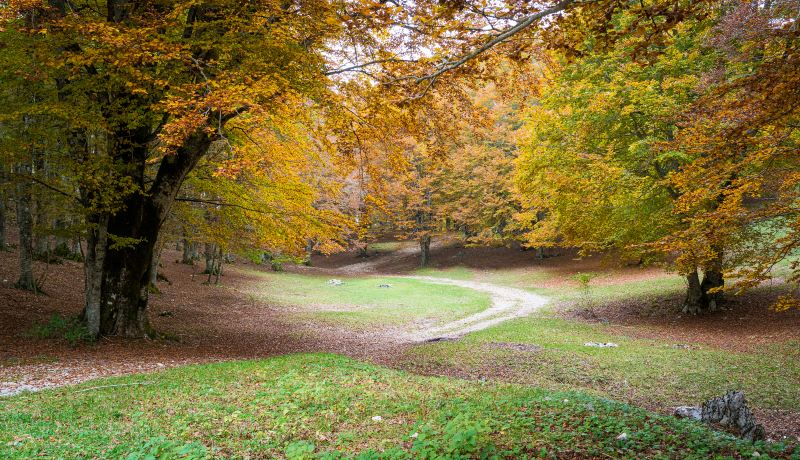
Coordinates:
(507, 303)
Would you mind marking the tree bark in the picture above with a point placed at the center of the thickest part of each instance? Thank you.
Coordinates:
(694, 294)
(713, 280)
(25, 224)
(94, 259)
(425, 250)
(127, 268)
(189, 251)
(154, 268)
(210, 254)
(699, 298)
(2, 223)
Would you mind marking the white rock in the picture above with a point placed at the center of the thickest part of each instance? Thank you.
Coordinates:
(691, 412)
(622, 437)
(335, 282)
(414, 436)
(601, 344)
(377, 418)
(756, 454)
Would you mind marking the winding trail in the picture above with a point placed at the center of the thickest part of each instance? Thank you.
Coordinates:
(507, 303)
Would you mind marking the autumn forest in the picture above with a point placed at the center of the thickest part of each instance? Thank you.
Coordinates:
(390, 229)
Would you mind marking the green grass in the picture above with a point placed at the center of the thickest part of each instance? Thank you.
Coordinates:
(386, 246)
(644, 371)
(60, 327)
(456, 273)
(361, 302)
(322, 406)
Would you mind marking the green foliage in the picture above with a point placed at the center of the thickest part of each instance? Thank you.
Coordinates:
(163, 448)
(322, 407)
(60, 327)
(652, 372)
(591, 174)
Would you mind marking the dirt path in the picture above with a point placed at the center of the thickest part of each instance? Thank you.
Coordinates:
(507, 303)
(375, 262)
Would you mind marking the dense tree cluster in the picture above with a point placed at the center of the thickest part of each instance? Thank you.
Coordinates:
(664, 130)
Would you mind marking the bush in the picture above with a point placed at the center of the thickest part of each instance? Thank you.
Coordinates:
(584, 281)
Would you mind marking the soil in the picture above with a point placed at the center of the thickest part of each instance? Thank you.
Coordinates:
(743, 322)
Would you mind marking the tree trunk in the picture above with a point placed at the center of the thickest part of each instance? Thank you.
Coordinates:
(189, 252)
(425, 250)
(699, 299)
(713, 280)
(210, 254)
(694, 294)
(127, 268)
(2, 223)
(93, 261)
(154, 268)
(25, 224)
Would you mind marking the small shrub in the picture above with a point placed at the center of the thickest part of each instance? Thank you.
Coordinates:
(584, 280)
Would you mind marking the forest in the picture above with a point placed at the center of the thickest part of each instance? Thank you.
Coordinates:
(399, 229)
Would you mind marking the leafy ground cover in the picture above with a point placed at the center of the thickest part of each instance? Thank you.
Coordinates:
(327, 406)
(362, 302)
(652, 372)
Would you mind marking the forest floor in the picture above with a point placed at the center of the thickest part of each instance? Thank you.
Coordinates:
(505, 315)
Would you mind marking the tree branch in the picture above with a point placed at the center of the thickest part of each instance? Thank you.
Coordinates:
(357, 67)
(508, 33)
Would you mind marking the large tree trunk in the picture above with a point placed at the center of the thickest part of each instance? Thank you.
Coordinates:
(2, 223)
(425, 250)
(699, 296)
(127, 268)
(25, 224)
(126, 272)
(154, 268)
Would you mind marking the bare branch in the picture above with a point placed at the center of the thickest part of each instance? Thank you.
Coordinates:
(357, 67)
(499, 38)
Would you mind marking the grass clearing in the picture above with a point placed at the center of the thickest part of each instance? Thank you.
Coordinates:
(455, 273)
(327, 407)
(647, 371)
(385, 246)
(361, 302)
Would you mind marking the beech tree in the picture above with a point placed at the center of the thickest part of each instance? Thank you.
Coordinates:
(144, 91)
(741, 190)
(592, 167)
(140, 92)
